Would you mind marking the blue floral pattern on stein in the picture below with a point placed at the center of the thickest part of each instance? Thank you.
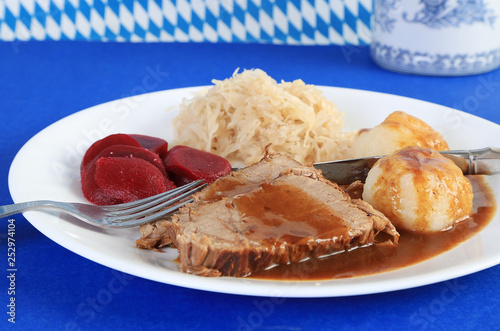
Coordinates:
(434, 14)
(442, 13)
(383, 17)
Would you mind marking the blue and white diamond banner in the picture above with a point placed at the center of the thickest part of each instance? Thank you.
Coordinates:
(310, 22)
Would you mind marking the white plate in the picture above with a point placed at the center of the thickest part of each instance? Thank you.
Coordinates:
(47, 167)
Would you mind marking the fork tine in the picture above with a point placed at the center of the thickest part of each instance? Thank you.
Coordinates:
(142, 213)
(144, 203)
(147, 219)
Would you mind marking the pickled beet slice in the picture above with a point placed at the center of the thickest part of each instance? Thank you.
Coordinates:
(133, 152)
(128, 178)
(91, 189)
(153, 144)
(100, 145)
(178, 180)
(187, 164)
(94, 194)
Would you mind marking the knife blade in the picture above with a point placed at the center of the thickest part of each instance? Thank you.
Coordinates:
(478, 161)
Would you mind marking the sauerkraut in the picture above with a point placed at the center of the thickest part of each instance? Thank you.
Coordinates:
(239, 117)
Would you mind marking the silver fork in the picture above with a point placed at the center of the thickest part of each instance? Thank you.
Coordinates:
(123, 215)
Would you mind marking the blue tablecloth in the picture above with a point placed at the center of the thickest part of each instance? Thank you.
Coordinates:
(55, 289)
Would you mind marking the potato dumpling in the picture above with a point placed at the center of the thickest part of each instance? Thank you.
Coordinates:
(397, 131)
(419, 190)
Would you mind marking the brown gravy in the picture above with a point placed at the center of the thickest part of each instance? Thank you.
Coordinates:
(412, 248)
(261, 207)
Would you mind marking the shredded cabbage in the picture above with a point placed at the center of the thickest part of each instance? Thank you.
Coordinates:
(239, 117)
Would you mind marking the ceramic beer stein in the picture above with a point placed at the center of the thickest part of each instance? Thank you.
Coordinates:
(436, 37)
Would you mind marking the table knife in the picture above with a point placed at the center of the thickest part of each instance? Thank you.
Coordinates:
(485, 161)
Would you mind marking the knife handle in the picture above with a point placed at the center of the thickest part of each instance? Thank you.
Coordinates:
(476, 161)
